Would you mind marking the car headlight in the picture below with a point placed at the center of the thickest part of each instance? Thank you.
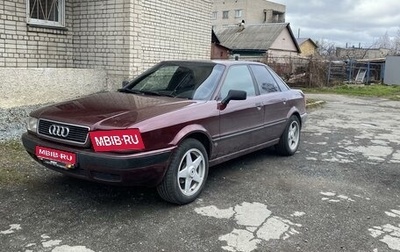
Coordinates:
(32, 124)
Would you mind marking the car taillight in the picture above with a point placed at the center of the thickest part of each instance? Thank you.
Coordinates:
(116, 140)
(304, 96)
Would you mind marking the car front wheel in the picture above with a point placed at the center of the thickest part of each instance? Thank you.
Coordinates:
(290, 139)
(186, 174)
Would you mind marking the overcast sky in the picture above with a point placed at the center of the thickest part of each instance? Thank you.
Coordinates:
(343, 21)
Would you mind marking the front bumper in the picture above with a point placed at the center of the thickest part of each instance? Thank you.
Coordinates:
(138, 169)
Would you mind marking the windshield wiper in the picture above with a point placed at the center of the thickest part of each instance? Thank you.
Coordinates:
(147, 92)
(144, 92)
(124, 90)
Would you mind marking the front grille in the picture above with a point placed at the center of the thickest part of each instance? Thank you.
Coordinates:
(77, 134)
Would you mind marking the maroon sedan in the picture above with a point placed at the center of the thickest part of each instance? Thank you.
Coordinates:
(166, 127)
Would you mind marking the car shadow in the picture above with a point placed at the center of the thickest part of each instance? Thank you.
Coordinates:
(247, 160)
(86, 193)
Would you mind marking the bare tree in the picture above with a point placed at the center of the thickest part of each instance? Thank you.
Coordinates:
(326, 48)
(384, 41)
(396, 43)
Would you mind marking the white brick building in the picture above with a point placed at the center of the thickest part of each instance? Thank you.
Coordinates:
(69, 48)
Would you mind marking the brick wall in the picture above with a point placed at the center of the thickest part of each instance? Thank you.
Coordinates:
(178, 29)
(125, 37)
(107, 34)
(24, 46)
(119, 37)
(100, 38)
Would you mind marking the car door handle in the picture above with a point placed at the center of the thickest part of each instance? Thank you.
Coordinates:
(259, 105)
(284, 100)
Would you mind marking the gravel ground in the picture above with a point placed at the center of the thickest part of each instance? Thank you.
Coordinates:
(12, 121)
(339, 193)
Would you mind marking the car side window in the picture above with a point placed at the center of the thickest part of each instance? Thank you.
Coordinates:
(282, 85)
(238, 78)
(265, 80)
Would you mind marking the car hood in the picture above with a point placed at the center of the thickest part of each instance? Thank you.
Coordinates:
(111, 110)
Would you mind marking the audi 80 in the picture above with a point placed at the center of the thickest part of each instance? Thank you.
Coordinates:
(166, 127)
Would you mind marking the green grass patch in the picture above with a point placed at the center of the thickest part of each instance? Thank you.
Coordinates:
(14, 162)
(383, 91)
(310, 101)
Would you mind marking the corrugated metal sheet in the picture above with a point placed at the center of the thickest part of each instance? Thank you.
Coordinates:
(392, 74)
(252, 37)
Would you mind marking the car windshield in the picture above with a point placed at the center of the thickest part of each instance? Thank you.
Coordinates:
(195, 81)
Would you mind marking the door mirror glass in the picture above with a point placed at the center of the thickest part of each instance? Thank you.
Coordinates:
(234, 95)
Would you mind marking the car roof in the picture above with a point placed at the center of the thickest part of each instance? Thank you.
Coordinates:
(236, 62)
(221, 62)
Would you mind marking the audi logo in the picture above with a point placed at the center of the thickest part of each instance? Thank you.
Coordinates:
(57, 130)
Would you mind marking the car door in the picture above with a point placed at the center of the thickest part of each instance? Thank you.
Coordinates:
(274, 101)
(241, 122)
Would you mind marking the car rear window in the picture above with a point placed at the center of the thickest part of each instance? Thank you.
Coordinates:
(265, 81)
(282, 85)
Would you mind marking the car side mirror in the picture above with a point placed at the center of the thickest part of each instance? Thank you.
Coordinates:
(233, 95)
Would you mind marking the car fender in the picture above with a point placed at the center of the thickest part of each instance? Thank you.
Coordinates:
(192, 129)
(293, 110)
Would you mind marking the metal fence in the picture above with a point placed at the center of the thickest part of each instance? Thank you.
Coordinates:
(312, 72)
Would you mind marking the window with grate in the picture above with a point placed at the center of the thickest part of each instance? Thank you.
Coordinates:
(225, 14)
(46, 12)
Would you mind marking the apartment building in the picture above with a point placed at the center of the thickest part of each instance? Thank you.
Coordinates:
(51, 50)
(231, 12)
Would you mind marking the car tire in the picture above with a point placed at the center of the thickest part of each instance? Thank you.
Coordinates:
(186, 174)
(290, 139)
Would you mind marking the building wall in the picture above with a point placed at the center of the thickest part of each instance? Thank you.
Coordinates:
(284, 42)
(308, 49)
(278, 56)
(101, 36)
(361, 53)
(29, 55)
(219, 52)
(253, 12)
(23, 46)
(117, 39)
(283, 48)
(127, 36)
(28, 86)
(178, 29)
